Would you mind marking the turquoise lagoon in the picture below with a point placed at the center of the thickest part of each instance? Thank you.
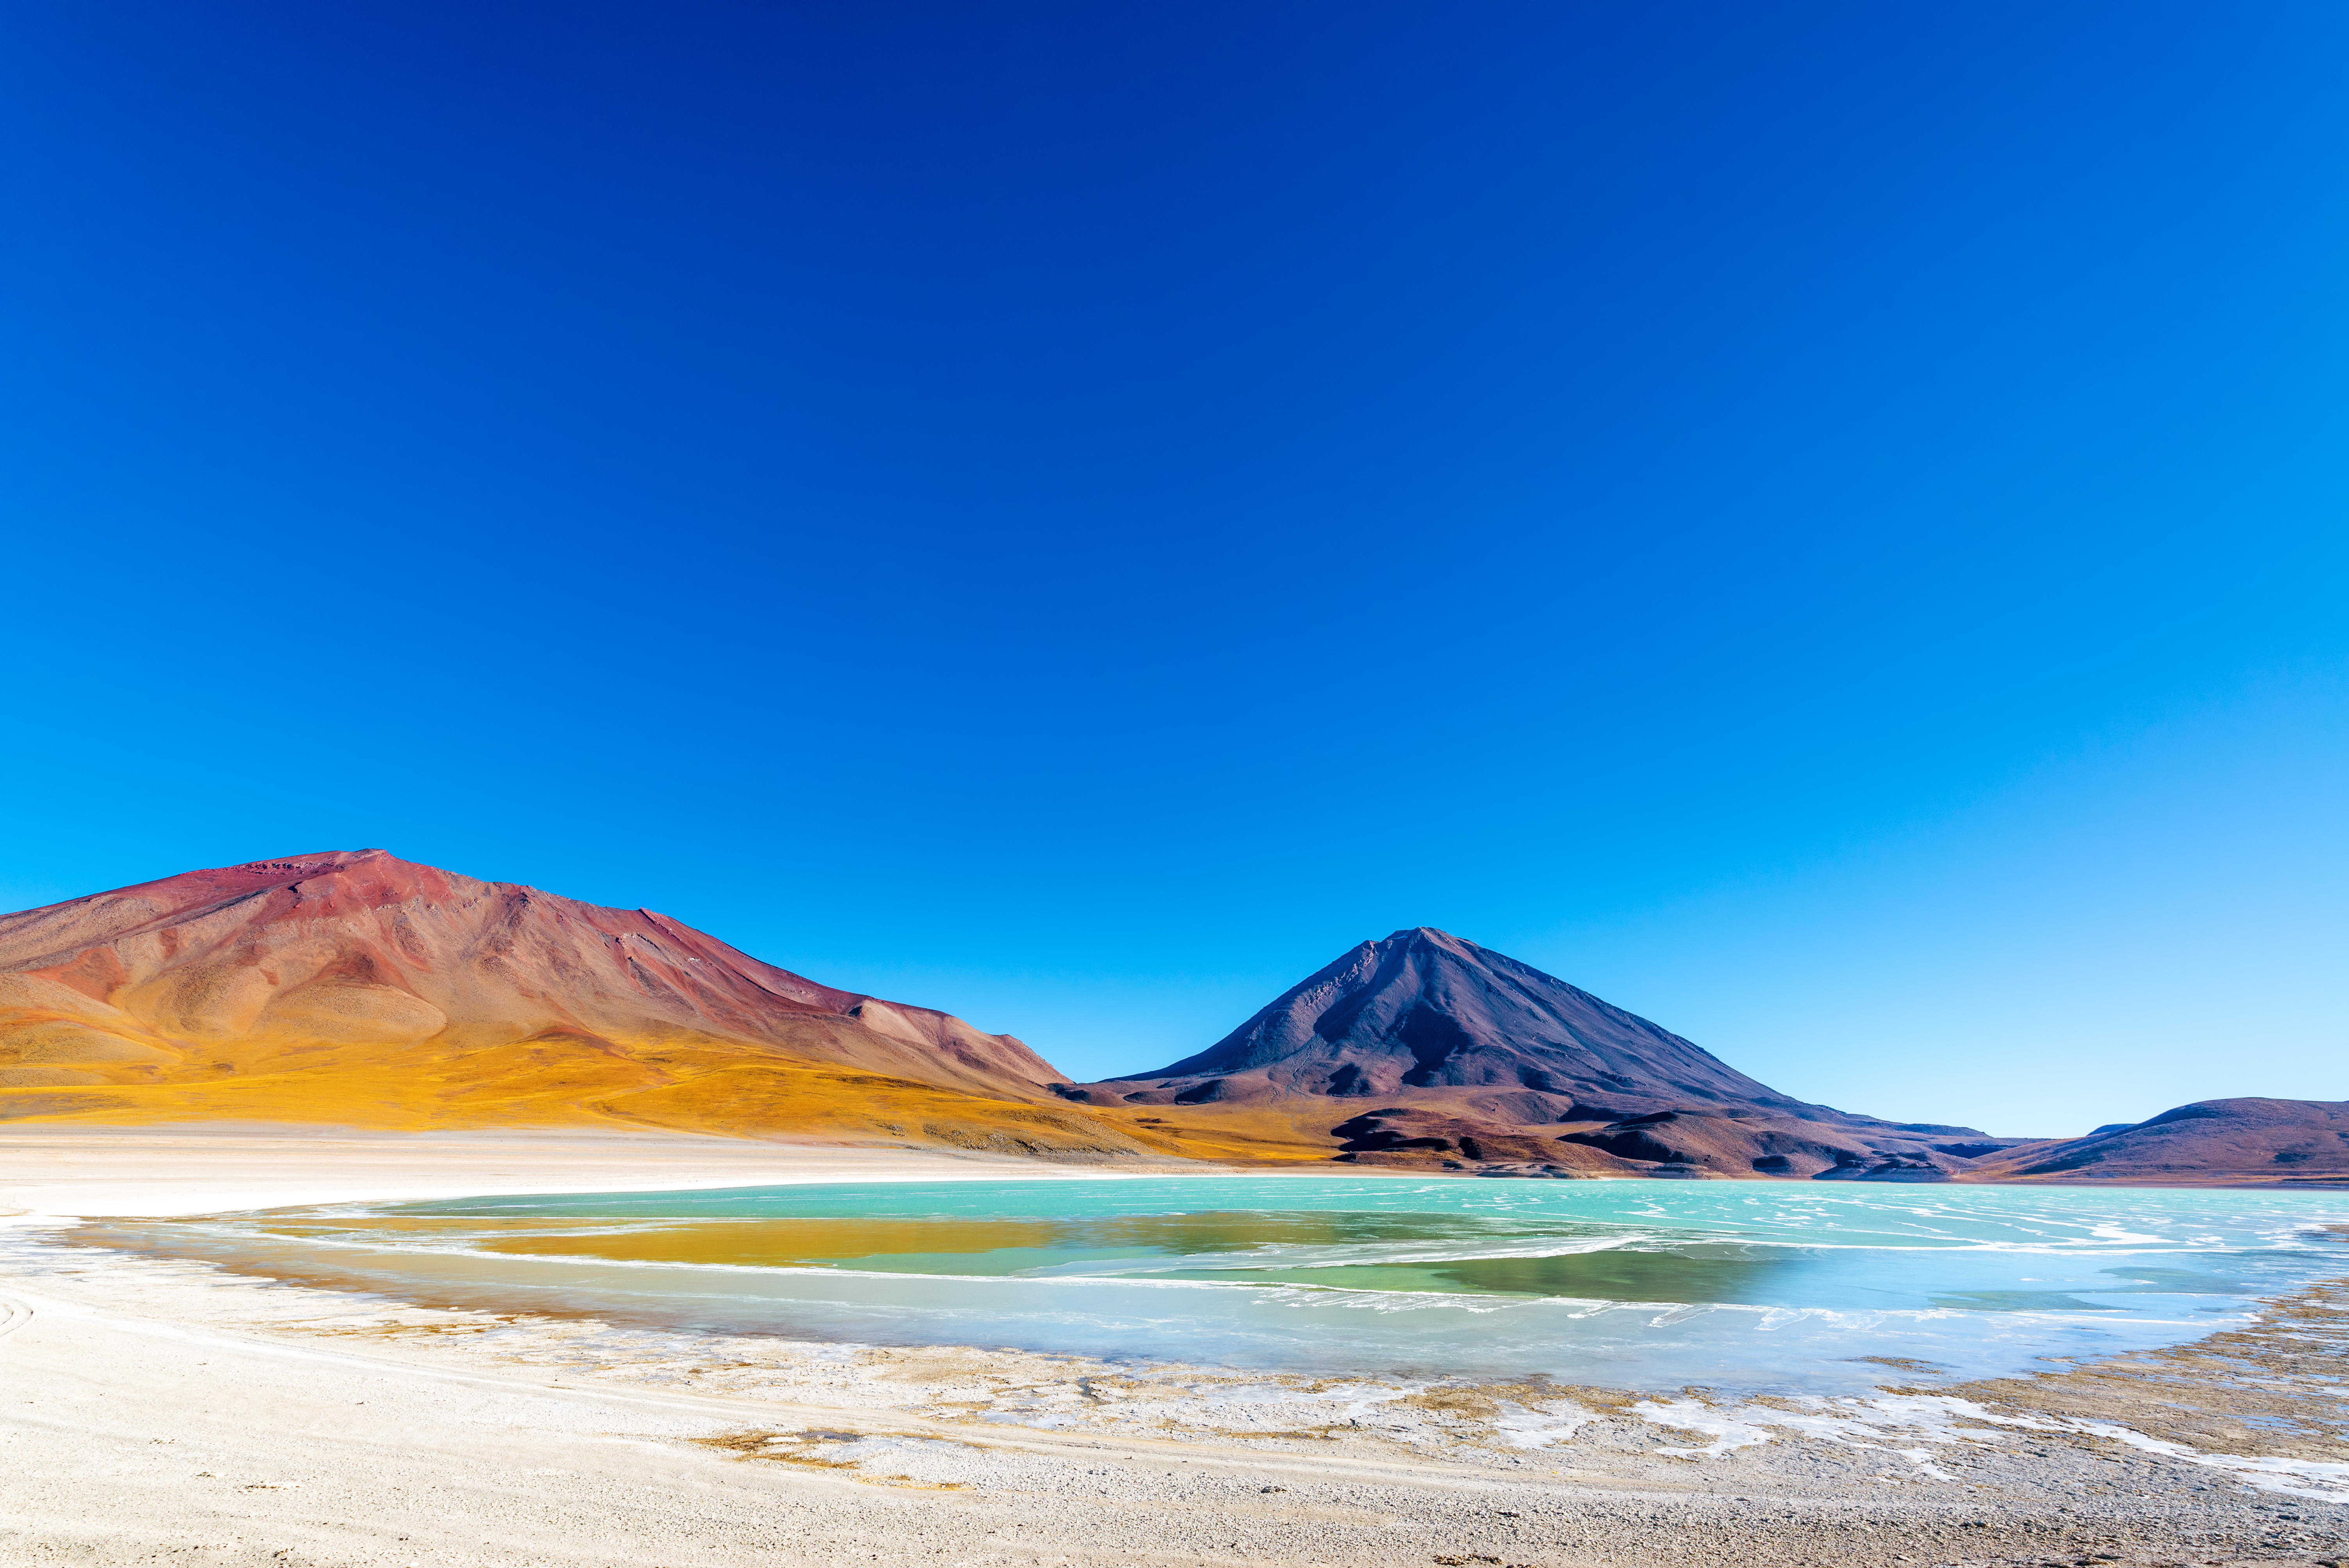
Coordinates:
(1746, 1285)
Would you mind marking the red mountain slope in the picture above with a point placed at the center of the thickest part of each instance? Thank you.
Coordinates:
(363, 986)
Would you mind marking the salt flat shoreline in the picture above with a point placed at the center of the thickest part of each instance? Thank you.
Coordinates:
(162, 1172)
(161, 1408)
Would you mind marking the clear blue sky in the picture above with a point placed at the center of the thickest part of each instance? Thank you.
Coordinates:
(1820, 523)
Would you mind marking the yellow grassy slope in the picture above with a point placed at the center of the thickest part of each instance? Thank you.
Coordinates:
(55, 1069)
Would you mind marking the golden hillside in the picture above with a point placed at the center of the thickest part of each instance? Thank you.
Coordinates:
(359, 989)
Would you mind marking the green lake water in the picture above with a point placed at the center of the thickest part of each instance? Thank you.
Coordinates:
(1627, 1284)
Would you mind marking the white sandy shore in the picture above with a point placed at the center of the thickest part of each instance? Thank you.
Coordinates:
(157, 1172)
(160, 1411)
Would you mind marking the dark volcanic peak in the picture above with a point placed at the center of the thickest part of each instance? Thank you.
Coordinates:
(1424, 1010)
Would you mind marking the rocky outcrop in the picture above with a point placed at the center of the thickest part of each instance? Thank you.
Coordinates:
(1429, 1140)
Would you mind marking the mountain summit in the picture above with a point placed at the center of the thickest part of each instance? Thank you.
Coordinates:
(355, 986)
(364, 948)
(1428, 1050)
(1427, 1010)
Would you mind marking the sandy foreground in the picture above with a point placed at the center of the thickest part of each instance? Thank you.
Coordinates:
(154, 1412)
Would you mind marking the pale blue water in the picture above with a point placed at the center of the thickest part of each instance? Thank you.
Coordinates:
(1627, 1284)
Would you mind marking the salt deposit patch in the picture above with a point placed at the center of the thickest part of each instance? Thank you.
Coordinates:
(1888, 1423)
(1695, 1416)
(1527, 1426)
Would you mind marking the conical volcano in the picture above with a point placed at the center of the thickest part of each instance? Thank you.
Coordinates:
(1427, 1051)
(1425, 1010)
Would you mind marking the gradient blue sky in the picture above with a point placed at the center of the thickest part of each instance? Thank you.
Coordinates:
(1822, 523)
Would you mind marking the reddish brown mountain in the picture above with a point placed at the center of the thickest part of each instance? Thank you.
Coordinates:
(365, 948)
(361, 988)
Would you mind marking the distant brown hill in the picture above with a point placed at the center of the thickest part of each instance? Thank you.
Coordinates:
(2286, 1142)
(358, 987)
(1426, 1050)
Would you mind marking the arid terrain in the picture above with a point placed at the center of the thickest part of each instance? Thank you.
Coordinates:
(352, 1027)
(356, 989)
(359, 989)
